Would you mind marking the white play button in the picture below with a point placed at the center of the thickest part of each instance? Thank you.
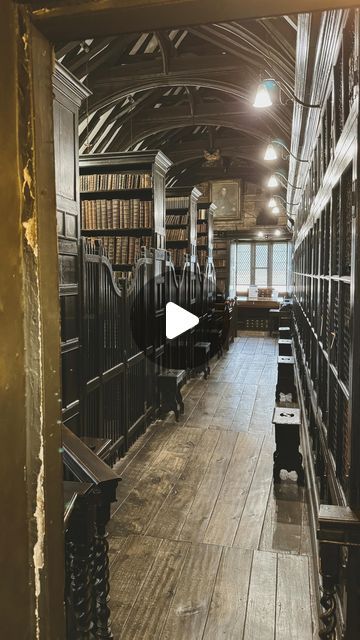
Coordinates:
(178, 320)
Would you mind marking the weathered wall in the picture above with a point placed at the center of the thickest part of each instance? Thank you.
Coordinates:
(31, 475)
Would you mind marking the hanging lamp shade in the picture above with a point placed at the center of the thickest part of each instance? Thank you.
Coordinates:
(262, 98)
(270, 153)
(273, 182)
(272, 203)
(275, 211)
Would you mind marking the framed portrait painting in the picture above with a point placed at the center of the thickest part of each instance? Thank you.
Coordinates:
(225, 194)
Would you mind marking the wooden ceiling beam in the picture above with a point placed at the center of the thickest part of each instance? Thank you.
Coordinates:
(168, 114)
(103, 99)
(184, 64)
(143, 129)
(59, 19)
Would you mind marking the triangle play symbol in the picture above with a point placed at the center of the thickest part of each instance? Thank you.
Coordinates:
(178, 320)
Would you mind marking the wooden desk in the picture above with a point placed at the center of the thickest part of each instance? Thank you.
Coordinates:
(253, 314)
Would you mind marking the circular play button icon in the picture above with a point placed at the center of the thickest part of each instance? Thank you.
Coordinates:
(178, 320)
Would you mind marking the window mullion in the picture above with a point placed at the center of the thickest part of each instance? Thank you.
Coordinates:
(253, 259)
(270, 265)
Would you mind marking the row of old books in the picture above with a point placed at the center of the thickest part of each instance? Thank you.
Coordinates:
(202, 214)
(122, 250)
(202, 258)
(177, 257)
(176, 235)
(176, 219)
(202, 228)
(218, 262)
(202, 241)
(112, 181)
(116, 214)
(177, 202)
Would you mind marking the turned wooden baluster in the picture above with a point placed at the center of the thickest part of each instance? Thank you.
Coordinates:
(79, 538)
(80, 590)
(102, 622)
(329, 558)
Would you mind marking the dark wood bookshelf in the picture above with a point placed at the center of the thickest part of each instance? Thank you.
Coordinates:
(121, 194)
(208, 222)
(187, 198)
(136, 232)
(117, 167)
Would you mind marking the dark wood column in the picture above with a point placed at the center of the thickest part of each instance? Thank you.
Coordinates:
(31, 538)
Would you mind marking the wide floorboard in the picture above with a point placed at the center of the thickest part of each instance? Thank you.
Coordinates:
(202, 545)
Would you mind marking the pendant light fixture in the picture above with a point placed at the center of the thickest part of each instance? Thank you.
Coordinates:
(273, 182)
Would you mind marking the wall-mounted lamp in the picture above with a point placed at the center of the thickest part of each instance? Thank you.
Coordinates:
(275, 210)
(277, 232)
(272, 201)
(271, 153)
(281, 175)
(260, 234)
(263, 97)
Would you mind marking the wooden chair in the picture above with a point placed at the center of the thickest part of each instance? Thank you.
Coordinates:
(285, 347)
(170, 382)
(287, 456)
(202, 357)
(284, 332)
(273, 321)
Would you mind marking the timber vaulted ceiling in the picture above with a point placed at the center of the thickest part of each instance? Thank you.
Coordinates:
(186, 91)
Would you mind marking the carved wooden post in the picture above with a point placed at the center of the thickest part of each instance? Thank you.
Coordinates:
(79, 539)
(339, 528)
(101, 589)
(329, 558)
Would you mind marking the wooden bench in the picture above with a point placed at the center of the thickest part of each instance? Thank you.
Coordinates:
(170, 382)
(285, 347)
(202, 357)
(287, 420)
(274, 321)
(284, 332)
(286, 377)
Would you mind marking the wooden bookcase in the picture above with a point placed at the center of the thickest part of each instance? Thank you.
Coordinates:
(326, 281)
(181, 225)
(123, 204)
(205, 233)
(221, 257)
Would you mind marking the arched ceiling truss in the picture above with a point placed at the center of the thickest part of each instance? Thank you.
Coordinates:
(186, 91)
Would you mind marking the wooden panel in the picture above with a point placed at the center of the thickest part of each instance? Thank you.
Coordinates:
(293, 599)
(227, 513)
(128, 572)
(110, 18)
(251, 523)
(199, 516)
(189, 608)
(172, 515)
(229, 601)
(148, 615)
(65, 146)
(260, 615)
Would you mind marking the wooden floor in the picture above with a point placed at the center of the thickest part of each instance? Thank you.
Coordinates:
(202, 546)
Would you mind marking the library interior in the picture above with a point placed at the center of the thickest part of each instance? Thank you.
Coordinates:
(180, 313)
